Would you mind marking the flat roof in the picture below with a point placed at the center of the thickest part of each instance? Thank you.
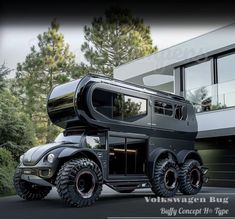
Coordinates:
(198, 47)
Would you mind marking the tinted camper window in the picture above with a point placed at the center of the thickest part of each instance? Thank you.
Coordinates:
(119, 106)
(163, 108)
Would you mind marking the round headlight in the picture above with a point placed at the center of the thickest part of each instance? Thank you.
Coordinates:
(21, 158)
(50, 158)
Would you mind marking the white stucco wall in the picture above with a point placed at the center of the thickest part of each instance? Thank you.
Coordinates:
(174, 55)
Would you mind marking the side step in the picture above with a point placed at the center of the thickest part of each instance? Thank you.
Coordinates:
(122, 185)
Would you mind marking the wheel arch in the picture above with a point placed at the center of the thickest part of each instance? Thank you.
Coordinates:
(189, 154)
(157, 154)
(71, 153)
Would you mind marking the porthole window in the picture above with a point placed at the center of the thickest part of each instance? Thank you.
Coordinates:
(180, 112)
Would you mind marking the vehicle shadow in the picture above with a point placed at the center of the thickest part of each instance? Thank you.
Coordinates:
(112, 198)
(56, 202)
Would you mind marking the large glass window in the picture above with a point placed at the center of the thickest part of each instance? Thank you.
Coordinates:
(119, 106)
(226, 80)
(198, 90)
(226, 68)
(161, 79)
(205, 92)
(198, 75)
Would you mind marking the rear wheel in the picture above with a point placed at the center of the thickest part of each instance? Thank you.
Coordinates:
(165, 179)
(27, 190)
(79, 182)
(191, 177)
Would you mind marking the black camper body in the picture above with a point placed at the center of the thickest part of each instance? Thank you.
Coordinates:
(115, 133)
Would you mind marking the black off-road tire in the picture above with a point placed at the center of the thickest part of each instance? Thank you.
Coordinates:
(165, 180)
(27, 190)
(75, 177)
(191, 177)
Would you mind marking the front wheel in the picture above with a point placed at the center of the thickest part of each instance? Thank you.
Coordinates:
(191, 177)
(79, 182)
(27, 190)
(165, 179)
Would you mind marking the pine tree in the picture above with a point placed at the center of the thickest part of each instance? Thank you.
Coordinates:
(114, 40)
(4, 71)
(16, 129)
(48, 64)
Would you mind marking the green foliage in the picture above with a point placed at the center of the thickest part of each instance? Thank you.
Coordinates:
(197, 96)
(110, 41)
(7, 168)
(16, 150)
(53, 131)
(114, 40)
(16, 136)
(4, 71)
(15, 125)
(6, 176)
(48, 64)
(218, 106)
(5, 158)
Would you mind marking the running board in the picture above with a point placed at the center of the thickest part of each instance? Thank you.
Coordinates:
(127, 184)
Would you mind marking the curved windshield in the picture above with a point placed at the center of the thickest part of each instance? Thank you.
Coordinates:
(68, 139)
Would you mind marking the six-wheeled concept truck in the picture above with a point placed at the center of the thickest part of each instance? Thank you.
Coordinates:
(115, 133)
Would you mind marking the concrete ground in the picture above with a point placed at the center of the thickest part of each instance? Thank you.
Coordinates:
(215, 202)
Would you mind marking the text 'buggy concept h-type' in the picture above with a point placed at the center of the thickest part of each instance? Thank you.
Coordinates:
(115, 133)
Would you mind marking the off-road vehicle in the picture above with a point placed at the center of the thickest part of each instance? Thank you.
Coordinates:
(115, 133)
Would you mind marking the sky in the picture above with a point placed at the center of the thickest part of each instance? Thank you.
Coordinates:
(15, 41)
(19, 32)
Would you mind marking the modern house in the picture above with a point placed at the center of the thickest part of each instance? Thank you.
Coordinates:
(203, 71)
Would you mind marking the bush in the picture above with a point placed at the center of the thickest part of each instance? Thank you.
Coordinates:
(16, 129)
(5, 158)
(15, 150)
(7, 169)
(6, 180)
(15, 125)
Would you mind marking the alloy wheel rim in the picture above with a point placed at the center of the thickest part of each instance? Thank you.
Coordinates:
(170, 179)
(195, 178)
(85, 183)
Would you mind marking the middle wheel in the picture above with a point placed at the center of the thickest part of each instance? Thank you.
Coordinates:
(165, 180)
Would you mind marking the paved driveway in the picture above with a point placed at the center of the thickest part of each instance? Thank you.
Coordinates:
(114, 205)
